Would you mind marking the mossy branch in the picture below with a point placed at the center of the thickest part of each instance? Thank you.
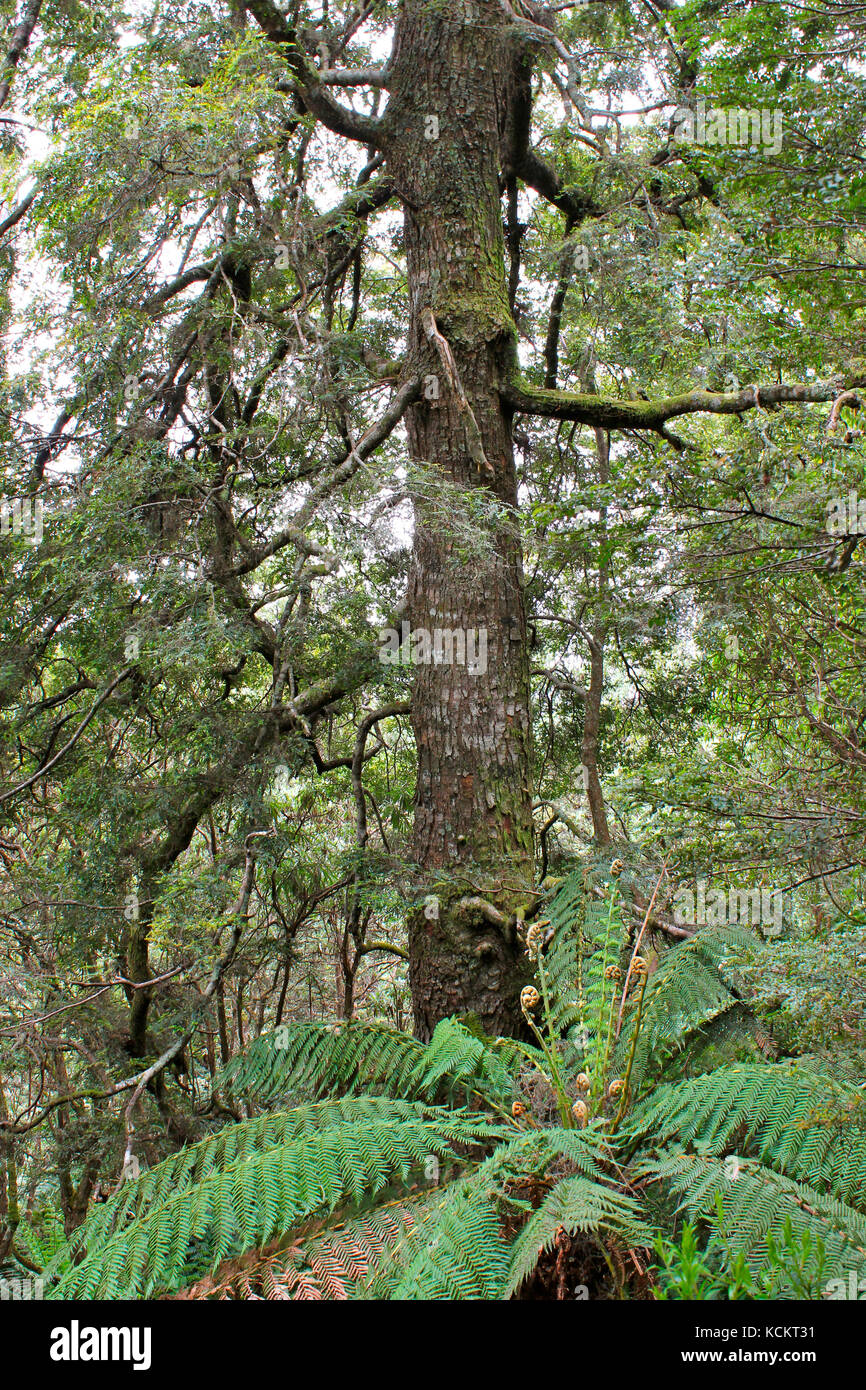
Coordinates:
(607, 413)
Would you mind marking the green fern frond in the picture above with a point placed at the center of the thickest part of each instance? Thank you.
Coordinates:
(757, 1206)
(230, 1146)
(41, 1238)
(576, 1204)
(240, 1195)
(456, 1058)
(797, 1122)
(561, 959)
(536, 1150)
(458, 1248)
(686, 991)
(458, 1251)
(321, 1059)
(588, 937)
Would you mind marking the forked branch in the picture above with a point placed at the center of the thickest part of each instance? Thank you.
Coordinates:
(308, 83)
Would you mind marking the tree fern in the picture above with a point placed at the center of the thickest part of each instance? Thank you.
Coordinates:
(452, 1170)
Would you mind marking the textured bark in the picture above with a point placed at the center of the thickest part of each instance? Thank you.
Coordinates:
(473, 812)
(593, 702)
(591, 723)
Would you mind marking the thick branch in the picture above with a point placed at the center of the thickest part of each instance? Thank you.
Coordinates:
(607, 413)
(308, 82)
(554, 322)
(17, 45)
(384, 946)
(538, 175)
(353, 77)
(14, 217)
(518, 159)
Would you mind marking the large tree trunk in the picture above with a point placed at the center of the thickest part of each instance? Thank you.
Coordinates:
(592, 705)
(473, 815)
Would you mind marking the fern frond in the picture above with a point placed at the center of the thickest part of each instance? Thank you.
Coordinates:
(797, 1122)
(41, 1238)
(685, 992)
(321, 1059)
(456, 1058)
(239, 1195)
(332, 1265)
(588, 936)
(576, 1204)
(342, 1260)
(458, 1249)
(561, 959)
(536, 1150)
(759, 1204)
